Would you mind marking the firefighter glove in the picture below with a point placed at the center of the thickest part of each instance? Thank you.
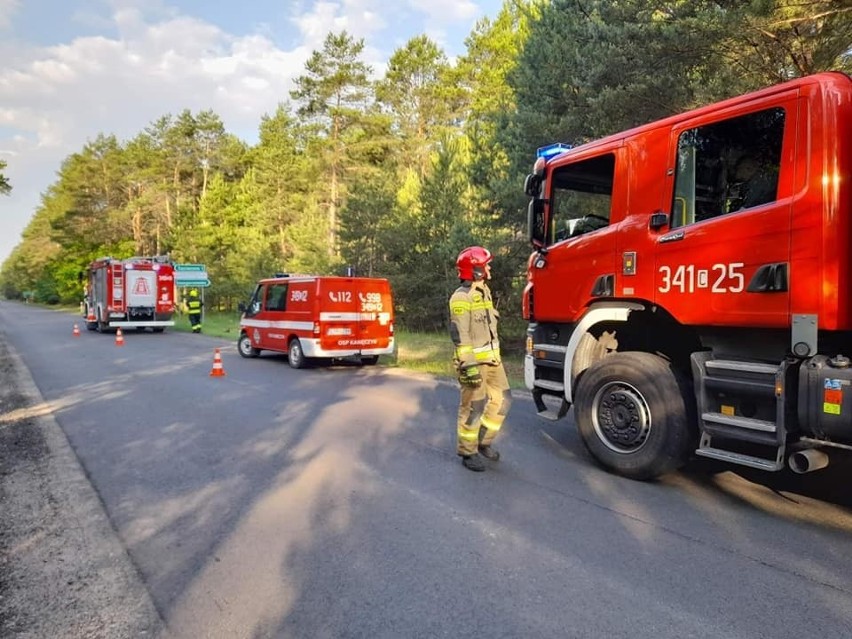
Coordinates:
(470, 377)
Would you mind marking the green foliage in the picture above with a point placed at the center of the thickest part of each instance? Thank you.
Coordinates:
(5, 187)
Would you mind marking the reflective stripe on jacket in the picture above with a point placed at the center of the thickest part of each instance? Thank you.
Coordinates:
(473, 325)
(194, 306)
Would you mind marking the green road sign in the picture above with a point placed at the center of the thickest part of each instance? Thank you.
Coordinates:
(194, 283)
(198, 268)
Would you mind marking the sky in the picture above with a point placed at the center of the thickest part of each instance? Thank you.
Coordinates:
(72, 69)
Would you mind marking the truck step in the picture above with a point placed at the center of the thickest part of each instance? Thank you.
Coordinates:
(552, 414)
(738, 458)
(547, 410)
(739, 422)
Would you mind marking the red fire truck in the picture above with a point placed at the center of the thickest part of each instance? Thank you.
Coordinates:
(313, 318)
(137, 292)
(689, 288)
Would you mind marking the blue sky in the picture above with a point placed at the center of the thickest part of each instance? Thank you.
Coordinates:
(74, 68)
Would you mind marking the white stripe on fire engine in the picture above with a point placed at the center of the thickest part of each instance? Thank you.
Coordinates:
(349, 317)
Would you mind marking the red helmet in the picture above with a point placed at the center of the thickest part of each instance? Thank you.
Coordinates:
(471, 263)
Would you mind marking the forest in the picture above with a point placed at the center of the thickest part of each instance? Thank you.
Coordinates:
(392, 176)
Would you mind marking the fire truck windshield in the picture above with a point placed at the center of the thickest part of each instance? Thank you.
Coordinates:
(581, 197)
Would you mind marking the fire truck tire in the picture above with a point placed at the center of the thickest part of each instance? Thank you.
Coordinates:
(245, 348)
(634, 414)
(296, 355)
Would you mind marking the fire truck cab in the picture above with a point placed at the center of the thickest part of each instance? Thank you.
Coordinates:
(689, 286)
(138, 292)
(312, 318)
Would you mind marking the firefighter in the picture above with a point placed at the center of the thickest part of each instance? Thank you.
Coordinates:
(194, 311)
(485, 394)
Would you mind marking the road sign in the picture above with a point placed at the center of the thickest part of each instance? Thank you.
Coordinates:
(192, 283)
(191, 275)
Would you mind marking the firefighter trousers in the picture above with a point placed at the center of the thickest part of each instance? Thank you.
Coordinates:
(483, 409)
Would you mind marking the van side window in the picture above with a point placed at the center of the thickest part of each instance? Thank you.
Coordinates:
(581, 198)
(727, 166)
(276, 300)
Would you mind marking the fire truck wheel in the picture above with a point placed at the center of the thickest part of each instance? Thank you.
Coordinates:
(633, 411)
(245, 348)
(296, 354)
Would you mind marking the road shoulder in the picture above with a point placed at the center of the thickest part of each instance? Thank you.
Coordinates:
(63, 569)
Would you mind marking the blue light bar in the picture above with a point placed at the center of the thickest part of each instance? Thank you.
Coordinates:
(552, 149)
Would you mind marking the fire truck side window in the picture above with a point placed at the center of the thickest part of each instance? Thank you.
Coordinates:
(276, 299)
(727, 166)
(581, 198)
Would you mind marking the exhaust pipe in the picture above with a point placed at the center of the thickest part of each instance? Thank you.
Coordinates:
(808, 460)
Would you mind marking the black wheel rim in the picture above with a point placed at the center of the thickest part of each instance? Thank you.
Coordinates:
(621, 417)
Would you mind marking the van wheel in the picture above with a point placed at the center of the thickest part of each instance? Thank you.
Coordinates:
(158, 329)
(634, 413)
(370, 360)
(245, 348)
(296, 354)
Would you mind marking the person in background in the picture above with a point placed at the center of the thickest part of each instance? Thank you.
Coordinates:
(485, 395)
(193, 306)
(755, 184)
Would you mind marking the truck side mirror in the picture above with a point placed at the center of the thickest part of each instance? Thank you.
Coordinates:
(535, 223)
(532, 185)
(241, 307)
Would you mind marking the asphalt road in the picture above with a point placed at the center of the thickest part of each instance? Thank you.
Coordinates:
(328, 502)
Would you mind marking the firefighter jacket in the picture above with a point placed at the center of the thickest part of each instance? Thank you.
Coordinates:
(194, 306)
(473, 325)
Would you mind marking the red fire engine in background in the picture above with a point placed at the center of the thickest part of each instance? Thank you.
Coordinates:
(689, 289)
(137, 292)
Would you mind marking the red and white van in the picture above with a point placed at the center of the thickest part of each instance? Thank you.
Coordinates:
(319, 317)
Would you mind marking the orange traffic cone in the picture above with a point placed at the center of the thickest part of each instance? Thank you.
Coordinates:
(76, 331)
(217, 370)
(119, 338)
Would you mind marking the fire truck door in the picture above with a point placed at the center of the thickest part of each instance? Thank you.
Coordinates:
(585, 197)
(725, 259)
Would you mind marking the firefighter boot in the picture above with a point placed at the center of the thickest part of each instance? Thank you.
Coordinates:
(474, 463)
(485, 448)
(489, 452)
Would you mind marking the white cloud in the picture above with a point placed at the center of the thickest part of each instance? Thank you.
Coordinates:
(7, 10)
(445, 12)
(359, 18)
